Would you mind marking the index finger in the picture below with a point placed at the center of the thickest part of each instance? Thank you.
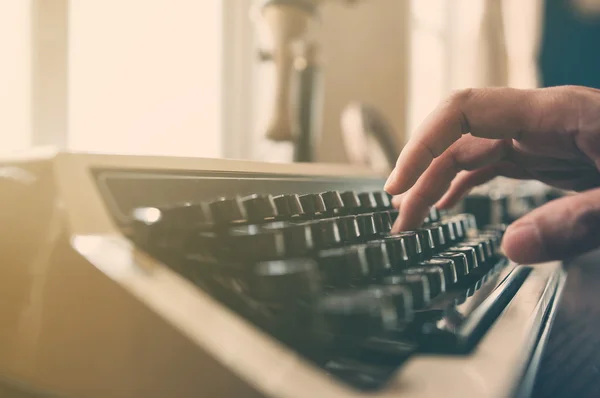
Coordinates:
(496, 113)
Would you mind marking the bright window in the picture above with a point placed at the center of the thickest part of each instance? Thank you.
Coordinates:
(128, 76)
(145, 77)
(14, 75)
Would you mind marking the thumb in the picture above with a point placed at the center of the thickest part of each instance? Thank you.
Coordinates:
(559, 230)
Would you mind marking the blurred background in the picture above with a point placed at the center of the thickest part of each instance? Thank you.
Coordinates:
(198, 78)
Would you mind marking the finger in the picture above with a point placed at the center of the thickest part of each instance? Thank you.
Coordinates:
(468, 153)
(559, 230)
(498, 113)
(467, 180)
(397, 201)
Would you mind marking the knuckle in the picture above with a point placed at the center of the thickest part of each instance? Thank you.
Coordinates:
(460, 96)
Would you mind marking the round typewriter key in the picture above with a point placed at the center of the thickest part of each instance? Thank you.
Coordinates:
(366, 225)
(284, 279)
(227, 211)
(378, 259)
(297, 238)
(382, 200)
(350, 200)
(367, 201)
(288, 205)
(479, 250)
(359, 312)
(397, 252)
(259, 207)
(312, 203)
(434, 214)
(447, 231)
(252, 242)
(348, 227)
(343, 267)
(418, 284)
(332, 200)
(450, 274)
(469, 253)
(460, 262)
(437, 234)
(427, 243)
(403, 300)
(413, 246)
(326, 232)
(435, 276)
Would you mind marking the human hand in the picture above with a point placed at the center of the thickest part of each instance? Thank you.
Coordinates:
(551, 134)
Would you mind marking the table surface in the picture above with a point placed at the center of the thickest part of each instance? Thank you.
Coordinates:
(570, 366)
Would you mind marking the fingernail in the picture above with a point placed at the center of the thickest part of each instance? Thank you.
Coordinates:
(389, 180)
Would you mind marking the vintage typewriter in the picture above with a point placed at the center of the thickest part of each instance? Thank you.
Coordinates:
(146, 277)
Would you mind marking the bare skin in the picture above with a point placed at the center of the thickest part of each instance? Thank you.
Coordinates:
(551, 135)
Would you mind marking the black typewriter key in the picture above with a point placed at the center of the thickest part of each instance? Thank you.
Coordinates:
(348, 227)
(383, 222)
(418, 284)
(284, 280)
(403, 300)
(298, 238)
(259, 207)
(488, 245)
(472, 222)
(382, 200)
(367, 201)
(435, 276)
(460, 262)
(397, 252)
(367, 225)
(227, 211)
(206, 245)
(343, 267)
(393, 215)
(469, 253)
(450, 273)
(437, 234)
(312, 203)
(351, 201)
(251, 242)
(386, 221)
(378, 259)
(460, 224)
(325, 232)
(427, 243)
(493, 239)
(358, 313)
(447, 232)
(434, 215)
(413, 246)
(288, 205)
(332, 200)
(479, 250)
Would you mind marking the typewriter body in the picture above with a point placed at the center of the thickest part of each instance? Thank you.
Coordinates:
(128, 276)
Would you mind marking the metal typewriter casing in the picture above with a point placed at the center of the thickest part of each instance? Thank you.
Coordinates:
(86, 314)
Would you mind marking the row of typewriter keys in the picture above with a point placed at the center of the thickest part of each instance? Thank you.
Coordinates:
(332, 248)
